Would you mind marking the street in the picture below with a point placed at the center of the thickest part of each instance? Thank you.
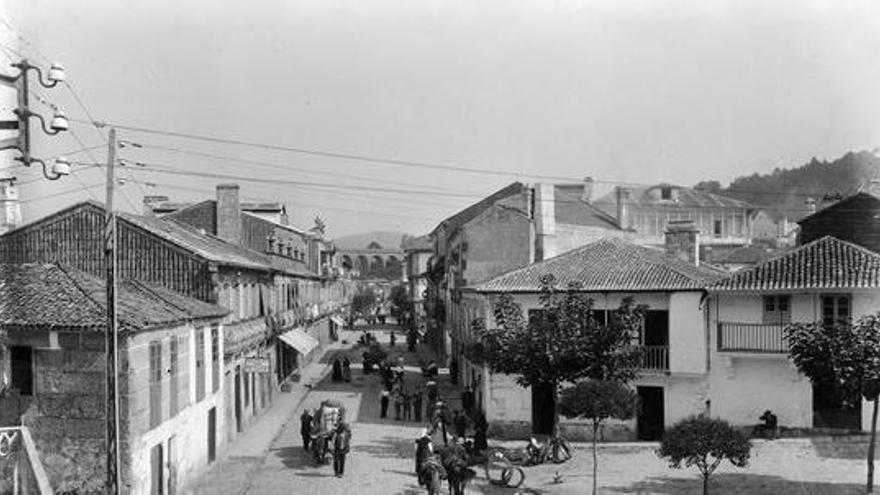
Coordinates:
(381, 458)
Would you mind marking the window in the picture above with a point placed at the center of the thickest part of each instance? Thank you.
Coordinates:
(22, 363)
(835, 309)
(215, 358)
(666, 193)
(173, 373)
(777, 309)
(155, 383)
(200, 364)
(717, 228)
(656, 331)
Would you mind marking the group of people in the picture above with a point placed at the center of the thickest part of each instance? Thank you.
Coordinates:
(338, 438)
(341, 370)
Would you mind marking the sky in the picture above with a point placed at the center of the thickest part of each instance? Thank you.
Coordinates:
(622, 91)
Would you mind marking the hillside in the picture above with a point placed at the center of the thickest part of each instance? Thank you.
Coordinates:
(784, 192)
(386, 239)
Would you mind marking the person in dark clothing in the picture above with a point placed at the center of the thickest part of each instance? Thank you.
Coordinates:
(459, 420)
(424, 448)
(417, 405)
(305, 428)
(341, 446)
(453, 371)
(393, 338)
(467, 399)
(397, 396)
(368, 366)
(346, 369)
(481, 428)
(336, 375)
(384, 398)
(439, 419)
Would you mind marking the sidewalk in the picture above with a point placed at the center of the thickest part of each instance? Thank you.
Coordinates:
(233, 472)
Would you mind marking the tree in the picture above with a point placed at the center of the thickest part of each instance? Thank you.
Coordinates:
(704, 442)
(363, 300)
(565, 342)
(844, 357)
(399, 299)
(598, 400)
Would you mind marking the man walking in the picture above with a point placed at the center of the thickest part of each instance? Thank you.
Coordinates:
(305, 428)
(417, 405)
(341, 445)
(407, 406)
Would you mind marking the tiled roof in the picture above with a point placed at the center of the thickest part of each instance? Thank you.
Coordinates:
(607, 265)
(203, 244)
(472, 211)
(687, 198)
(49, 295)
(826, 263)
(571, 209)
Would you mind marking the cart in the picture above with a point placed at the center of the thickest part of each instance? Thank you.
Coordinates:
(328, 415)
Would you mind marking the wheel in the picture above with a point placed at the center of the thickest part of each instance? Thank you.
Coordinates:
(496, 464)
(560, 452)
(513, 476)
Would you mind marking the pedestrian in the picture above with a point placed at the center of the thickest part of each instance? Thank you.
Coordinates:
(424, 448)
(480, 429)
(431, 388)
(336, 375)
(368, 366)
(440, 419)
(346, 369)
(393, 339)
(384, 397)
(305, 428)
(407, 406)
(397, 396)
(417, 405)
(341, 446)
(460, 423)
(453, 371)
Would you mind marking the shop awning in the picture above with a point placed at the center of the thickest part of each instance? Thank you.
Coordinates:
(299, 340)
(338, 320)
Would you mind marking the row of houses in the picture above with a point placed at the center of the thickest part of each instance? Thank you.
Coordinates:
(220, 304)
(712, 339)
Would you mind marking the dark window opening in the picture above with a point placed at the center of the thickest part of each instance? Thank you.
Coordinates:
(22, 361)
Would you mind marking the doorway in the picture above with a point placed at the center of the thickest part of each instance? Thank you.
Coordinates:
(650, 420)
(543, 408)
(22, 363)
(237, 399)
(212, 434)
(157, 471)
(171, 462)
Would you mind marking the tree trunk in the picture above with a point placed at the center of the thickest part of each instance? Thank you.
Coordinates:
(705, 484)
(555, 410)
(595, 455)
(871, 448)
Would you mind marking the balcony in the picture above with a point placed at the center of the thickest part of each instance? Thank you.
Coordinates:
(762, 338)
(21, 471)
(655, 357)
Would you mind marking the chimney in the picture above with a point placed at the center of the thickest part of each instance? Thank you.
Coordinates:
(587, 195)
(623, 195)
(545, 221)
(683, 241)
(283, 218)
(150, 202)
(228, 213)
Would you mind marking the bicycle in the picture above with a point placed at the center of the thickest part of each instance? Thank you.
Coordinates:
(554, 449)
(509, 474)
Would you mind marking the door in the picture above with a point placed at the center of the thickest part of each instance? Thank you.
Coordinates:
(237, 399)
(212, 434)
(22, 361)
(543, 409)
(157, 470)
(650, 420)
(171, 463)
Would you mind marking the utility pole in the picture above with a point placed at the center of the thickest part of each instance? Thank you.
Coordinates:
(111, 486)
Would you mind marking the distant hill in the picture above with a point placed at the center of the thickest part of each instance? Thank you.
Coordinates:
(386, 239)
(784, 192)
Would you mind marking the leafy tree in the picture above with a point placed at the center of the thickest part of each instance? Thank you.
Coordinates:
(844, 357)
(363, 300)
(598, 400)
(568, 341)
(704, 442)
(399, 299)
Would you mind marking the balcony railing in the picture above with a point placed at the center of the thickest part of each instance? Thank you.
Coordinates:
(21, 471)
(655, 357)
(751, 337)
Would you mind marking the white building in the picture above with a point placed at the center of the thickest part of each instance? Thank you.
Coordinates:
(673, 382)
(826, 280)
